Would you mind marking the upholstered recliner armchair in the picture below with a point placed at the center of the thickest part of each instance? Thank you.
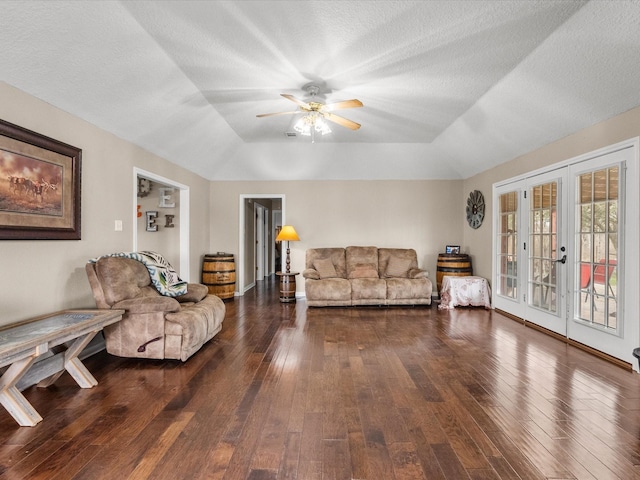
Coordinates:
(154, 325)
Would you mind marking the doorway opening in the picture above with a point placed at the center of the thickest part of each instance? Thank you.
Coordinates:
(258, 255)
(174, 193)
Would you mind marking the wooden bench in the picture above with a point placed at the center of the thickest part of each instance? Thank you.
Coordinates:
(22, 344)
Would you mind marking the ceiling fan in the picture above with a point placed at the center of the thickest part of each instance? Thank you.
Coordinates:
(316, 110)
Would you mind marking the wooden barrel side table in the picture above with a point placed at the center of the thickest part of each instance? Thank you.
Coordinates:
(452, 264)
(219, 274)
(287, 286)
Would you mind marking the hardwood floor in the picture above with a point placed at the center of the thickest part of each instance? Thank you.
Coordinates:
(286, 392)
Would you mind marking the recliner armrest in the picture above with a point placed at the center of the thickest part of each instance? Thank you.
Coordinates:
(417, 273)
(195, 293)
(148, 304)
(311, 273)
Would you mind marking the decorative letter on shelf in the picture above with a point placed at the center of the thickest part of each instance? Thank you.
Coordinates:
(151, 221)
(168, 219)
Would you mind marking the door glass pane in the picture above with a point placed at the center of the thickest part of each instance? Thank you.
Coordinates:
(597, 248)
(543, 252)
(507, 245)
(585, 218)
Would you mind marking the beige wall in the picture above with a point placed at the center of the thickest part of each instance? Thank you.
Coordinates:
(422, 214)
(609, 132)
(39, 277)
(43, 276)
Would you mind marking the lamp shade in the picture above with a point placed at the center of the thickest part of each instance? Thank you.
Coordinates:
(287, 233)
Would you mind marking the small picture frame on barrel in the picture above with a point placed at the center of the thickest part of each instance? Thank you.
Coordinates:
(452, 249)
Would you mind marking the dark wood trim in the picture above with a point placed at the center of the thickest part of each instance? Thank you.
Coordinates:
(599, 354)
(569, 341)
(510, 315)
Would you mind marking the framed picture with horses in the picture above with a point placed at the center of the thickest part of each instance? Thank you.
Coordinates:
(39, 186)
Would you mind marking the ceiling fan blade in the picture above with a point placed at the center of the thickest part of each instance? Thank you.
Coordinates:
(278, 113)
(304, 105)
(330, 107)
(341, 121)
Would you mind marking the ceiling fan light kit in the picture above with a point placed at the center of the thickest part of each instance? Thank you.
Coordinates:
(311, 123)
(316, 113)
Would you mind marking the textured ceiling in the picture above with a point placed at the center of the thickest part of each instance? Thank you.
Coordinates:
(449, 88)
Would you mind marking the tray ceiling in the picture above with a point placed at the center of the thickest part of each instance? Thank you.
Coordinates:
(449, 88)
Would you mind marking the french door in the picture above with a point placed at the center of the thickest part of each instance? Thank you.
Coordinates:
(604, 225)
(546, 250)
(562, 240)
(532, 255)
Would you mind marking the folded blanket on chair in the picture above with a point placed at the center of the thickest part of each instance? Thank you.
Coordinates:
(163, 277)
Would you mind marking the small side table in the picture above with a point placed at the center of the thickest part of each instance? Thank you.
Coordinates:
(464, 291)
(287, 286)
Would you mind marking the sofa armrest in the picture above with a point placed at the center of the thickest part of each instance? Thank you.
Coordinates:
(148, 304)
(418, 273)
(311, 273)
(195, 293)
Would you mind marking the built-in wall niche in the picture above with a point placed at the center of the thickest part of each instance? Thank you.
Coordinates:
(158, 212)
(158, 204)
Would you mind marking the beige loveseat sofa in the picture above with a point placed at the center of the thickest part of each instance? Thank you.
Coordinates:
(154, 325)
(364, 276)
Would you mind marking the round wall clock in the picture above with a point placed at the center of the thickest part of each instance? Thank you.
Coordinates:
(475, 209)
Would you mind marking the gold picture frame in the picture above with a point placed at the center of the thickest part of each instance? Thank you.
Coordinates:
(39, 186)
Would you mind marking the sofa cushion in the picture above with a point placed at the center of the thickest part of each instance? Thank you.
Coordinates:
(360, 255)
(407, 288)
(325, 268)
(336, 255)
(121, 278)
(364, 270)
(385, 254)
(368, 289)
(329, 289)
(397, 267)
(211, 309)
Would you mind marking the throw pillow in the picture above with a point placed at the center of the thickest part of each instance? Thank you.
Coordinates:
(364, 270)
(397, 267)
(325, 268)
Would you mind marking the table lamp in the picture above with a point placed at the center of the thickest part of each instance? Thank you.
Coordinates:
(288, 234)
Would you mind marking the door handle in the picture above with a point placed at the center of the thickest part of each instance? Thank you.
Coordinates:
(562, 260)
